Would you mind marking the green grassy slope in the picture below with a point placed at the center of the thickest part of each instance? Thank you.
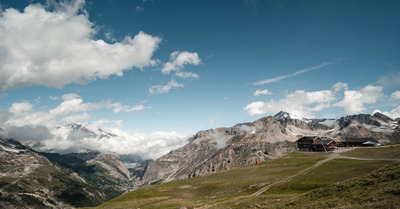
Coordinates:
(296, 180)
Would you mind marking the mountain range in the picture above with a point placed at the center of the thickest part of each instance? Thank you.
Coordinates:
(43, 179)
(267, 138)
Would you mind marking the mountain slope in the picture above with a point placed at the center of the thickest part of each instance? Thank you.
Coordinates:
(221, 149)
(103, 171)
(30, 180)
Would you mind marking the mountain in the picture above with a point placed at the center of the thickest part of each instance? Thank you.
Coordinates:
(103, 171)
(30, 180)
(267, 138)
(377, 126)
(220, 149)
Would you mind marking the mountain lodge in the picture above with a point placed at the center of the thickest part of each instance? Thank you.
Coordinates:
(316, 144)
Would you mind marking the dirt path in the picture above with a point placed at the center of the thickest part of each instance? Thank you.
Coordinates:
(332, 155)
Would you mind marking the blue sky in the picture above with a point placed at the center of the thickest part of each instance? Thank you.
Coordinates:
(181, 66)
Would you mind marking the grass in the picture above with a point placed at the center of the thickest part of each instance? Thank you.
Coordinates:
(230, 189)
(387, 152)
(330, 172)
(215, 187)
(379, 189)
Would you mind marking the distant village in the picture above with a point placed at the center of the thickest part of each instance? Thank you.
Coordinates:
(321, 144)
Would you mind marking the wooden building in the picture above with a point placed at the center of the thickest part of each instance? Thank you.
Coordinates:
(357, 142)
(305, 143)
(315, 144)
(324, 144)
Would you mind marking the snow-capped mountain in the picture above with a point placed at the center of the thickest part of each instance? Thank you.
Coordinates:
(282, 114)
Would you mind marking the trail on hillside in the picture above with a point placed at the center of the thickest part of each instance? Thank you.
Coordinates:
(331, 156)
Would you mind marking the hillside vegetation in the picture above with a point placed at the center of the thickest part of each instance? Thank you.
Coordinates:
(352, 179)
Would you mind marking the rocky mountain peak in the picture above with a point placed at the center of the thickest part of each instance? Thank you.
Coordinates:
(283, 114)
(360, 119)
(383, 117)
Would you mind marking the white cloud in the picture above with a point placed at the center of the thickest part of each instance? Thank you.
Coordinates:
(179, 59)
(395, 95)
(353, 101)
(75, 118)
(187, 75)
(279, 78)
(137, 108)
(55, 48)
(300, 103)
(54, 98)
(262, 92)
(72, 103)
(67, 110)
(48, 130)
(20, 107)
(340, 86)
(162, 89)
(390, 80)
(256, 108)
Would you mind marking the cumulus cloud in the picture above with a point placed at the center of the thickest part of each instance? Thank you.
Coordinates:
(20, 107)
(51, 130)
(162, 89)
(179, 59)
(354, 100)
(56, 47)
(300, 103)
(72, 103)
(256, 108)
(262, 92)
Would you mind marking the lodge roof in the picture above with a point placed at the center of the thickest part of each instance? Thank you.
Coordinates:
(324, 141)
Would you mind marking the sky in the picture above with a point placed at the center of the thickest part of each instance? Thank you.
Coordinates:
(156, 72)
